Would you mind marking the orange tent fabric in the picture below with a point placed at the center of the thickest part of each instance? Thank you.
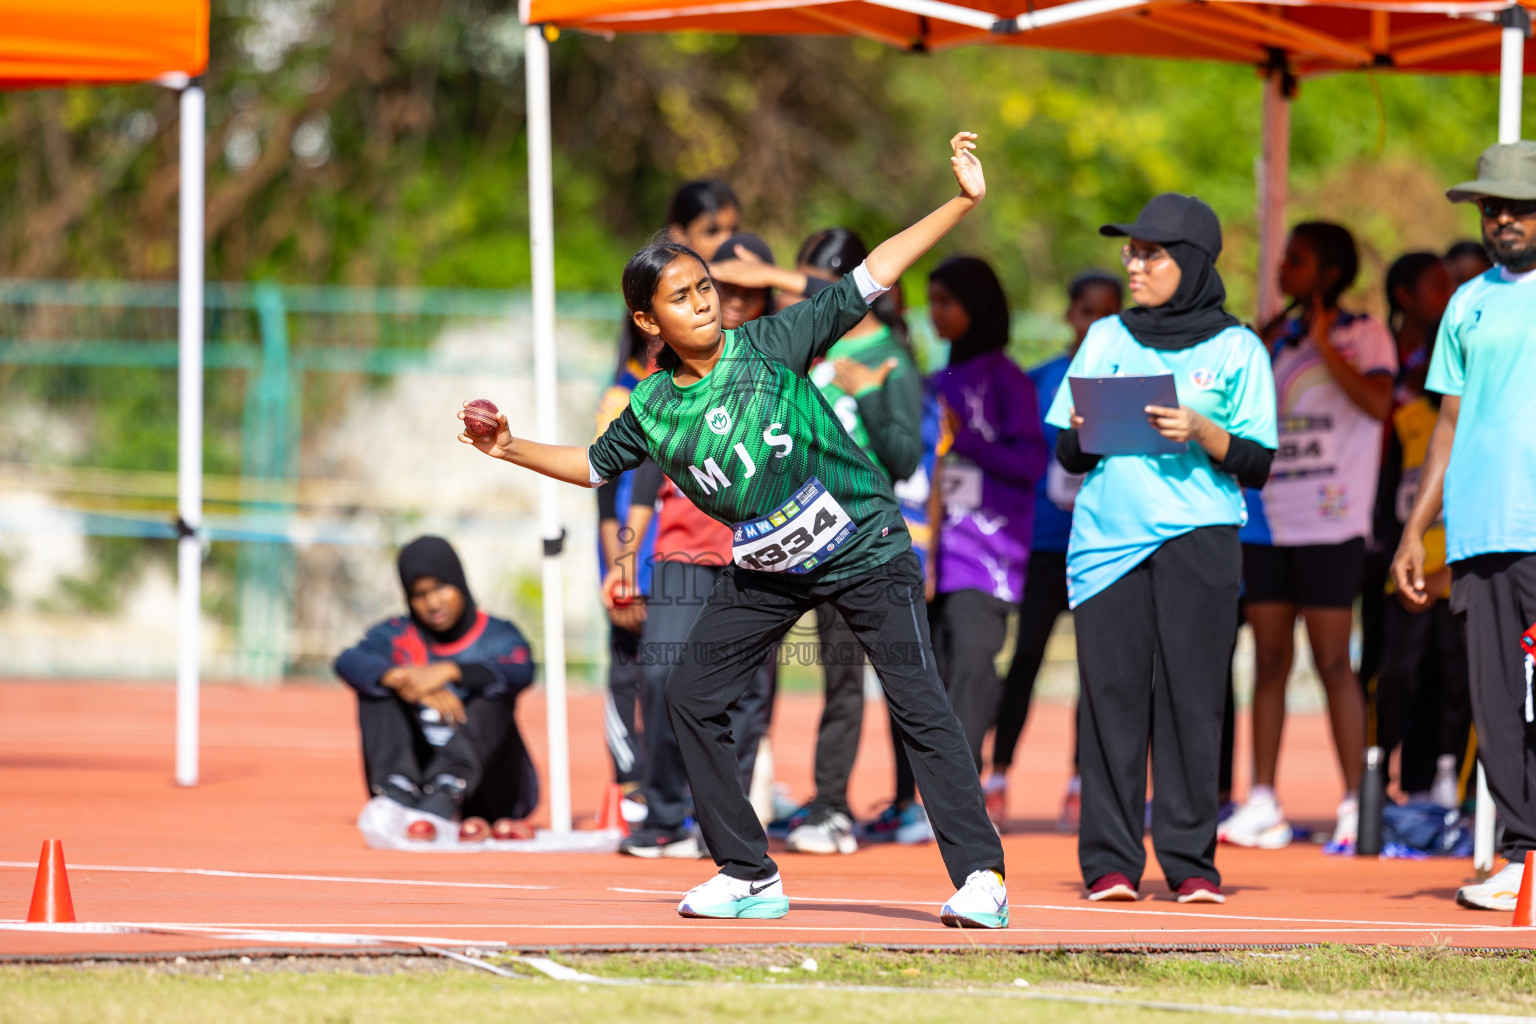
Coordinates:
(60, 42)
(1406, 35)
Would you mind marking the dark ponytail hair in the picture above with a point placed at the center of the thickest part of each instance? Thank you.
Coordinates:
(1405, 273)
(642, 274)
(697, 198)
(836, 251)
(1335, 249)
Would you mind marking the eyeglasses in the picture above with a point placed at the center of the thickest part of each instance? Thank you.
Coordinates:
(1148, 258)
(1491, 207)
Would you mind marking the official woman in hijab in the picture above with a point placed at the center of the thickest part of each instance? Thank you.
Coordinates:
(1154, 564)
(435, 694)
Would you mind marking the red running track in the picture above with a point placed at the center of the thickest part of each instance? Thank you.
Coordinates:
(281, 786)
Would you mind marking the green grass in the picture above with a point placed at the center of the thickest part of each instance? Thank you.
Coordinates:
(741, 984)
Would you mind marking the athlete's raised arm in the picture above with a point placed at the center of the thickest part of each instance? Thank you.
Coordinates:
(895, 256)
(566, 462)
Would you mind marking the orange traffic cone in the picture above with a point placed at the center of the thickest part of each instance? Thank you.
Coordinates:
(1525, 906)
(50, 893)
(611, 812)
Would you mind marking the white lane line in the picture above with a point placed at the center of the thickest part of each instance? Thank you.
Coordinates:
(236, 934)
(212, 873)
(1142, 910)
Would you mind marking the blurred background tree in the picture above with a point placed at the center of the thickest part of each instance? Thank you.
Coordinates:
(365, 142)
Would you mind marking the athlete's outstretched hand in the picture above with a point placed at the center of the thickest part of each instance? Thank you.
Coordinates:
(497, 445)
(967, 168)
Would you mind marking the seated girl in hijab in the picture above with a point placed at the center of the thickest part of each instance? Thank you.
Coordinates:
(435, 695)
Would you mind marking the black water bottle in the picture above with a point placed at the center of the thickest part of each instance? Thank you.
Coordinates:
(1373, 794)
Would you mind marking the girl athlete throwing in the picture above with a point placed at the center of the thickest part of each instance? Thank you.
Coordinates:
(733, 420)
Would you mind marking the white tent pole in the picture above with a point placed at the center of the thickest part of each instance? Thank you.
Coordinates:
(541, 231)
(1274, 177)
(189, 443)
(1517, 25)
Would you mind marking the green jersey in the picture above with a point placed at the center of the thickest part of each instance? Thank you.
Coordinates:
(885, 420)
(755, 445)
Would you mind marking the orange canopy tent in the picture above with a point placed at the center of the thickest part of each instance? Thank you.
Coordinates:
(1286, 39)
(71, 42)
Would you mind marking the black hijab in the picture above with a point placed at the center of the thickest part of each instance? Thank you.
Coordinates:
(1194, 313)
(1191, 232)
(975, 286)
(435, 557)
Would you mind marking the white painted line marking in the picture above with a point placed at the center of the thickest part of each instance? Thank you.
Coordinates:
(212, 873)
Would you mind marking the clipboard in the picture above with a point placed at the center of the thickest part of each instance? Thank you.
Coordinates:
(1114, 414)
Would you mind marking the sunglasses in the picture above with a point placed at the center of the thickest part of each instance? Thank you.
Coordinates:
(1148, 258)
(1491, 207)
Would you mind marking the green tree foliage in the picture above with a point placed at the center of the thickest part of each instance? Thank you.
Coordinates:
(374, 142)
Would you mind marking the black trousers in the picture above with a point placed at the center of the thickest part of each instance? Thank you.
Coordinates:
(487, 752)
(1154, 649)
(746, 615)
(626, 747)
(678, 593)
(1422, 700)
(1045, 599)
(969, 629)
(842, 715)
(1495, 595)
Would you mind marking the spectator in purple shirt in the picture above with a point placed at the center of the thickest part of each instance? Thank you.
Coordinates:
(987, 492)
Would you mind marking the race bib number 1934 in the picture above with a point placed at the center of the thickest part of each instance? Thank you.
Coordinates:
(798, 536)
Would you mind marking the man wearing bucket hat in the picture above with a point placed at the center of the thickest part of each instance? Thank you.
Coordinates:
(1482, 466)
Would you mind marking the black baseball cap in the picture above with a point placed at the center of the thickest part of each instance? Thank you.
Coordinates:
(1171, 217)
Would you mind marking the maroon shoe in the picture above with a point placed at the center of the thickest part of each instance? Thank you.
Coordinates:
(1200, 890)
(1113, 887)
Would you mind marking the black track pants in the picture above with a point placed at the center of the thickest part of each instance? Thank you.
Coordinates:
(1154, 649)
(1496, 597)
(487, 752)
(747, 613)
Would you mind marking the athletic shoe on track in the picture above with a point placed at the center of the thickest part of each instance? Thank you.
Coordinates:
(780, 828)
(1499, 892)
(906, 826)
(724, 896)
(1346, 828)
(1200, 890)
(401, 790)
(982, 902)
(1258, 824)
(825, 832)
(443, 796)
(654, 843)
(1114, 888)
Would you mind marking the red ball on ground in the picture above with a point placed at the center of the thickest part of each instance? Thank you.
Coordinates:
(421, 830)
(480, 417)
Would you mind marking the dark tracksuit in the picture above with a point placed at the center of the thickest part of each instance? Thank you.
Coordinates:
(487, 752)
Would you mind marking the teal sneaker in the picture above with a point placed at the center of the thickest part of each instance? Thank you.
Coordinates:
(982, 902)
(724, 896)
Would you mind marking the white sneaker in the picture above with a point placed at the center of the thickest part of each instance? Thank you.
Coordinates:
(724, 896)
(1258, 824)
(832, 834)
(1346, 828)
(982, 902)
(1499, 892)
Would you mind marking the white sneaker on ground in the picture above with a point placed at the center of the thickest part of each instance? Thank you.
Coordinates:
(1346, 828)
(724, 896)
(982, 902)
(1258, 824)
(1498, 892)
(833, 833)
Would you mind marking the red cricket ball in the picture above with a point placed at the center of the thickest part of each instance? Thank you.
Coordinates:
(480, 417)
